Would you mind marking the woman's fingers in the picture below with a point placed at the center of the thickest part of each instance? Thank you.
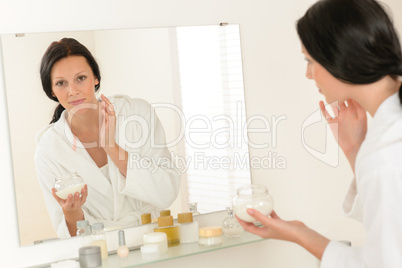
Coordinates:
(109, 107)
(84, 194)
(58, 199)
(251, 228)
(325, 113)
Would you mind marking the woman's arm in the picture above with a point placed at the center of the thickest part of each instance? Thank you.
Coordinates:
(108, 141)
(292, 231)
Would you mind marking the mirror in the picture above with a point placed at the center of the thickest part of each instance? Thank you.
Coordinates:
(191, 75)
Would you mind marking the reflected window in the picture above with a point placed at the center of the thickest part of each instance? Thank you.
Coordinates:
(212, 97)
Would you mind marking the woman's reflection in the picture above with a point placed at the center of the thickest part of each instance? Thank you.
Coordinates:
(96, 138)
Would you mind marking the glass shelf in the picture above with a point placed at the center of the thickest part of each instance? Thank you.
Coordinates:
(135, 259)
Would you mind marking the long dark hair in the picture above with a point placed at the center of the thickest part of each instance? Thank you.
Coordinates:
(354, 40)
(57, 51)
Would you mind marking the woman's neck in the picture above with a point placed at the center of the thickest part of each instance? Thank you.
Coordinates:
(372, 95)
(88, 122)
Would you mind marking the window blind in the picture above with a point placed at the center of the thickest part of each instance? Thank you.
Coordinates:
(212, 96)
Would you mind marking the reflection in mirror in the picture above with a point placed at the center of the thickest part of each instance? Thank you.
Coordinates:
(192, 76)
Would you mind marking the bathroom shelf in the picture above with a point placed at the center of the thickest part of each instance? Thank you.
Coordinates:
(135, 259)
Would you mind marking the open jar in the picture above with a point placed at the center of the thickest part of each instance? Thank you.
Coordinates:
(68, 184)
(252, 196)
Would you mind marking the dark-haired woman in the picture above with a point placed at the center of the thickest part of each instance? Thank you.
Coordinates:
(107, 143)
(354, 56)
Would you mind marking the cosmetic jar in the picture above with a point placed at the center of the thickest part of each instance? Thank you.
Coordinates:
(68, 184)
(90, 257)
(150, 252)
(252, 196)
(210, 236)
(158, 238)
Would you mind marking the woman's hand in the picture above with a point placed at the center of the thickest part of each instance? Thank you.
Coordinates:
(72, 208)
(273, 227)
(74, 202)
(108, 126)
(349, 127)
(292, 231)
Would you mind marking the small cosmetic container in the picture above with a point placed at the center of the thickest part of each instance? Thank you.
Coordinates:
(90, 257)
(158, 238)
(146, 218)
(122, 251)
(188, 228)
(210, 236)
(150, 252)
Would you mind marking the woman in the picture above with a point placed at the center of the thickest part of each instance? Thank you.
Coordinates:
(354, 56)
(99, 140)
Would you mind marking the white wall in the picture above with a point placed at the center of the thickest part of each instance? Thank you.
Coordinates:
(274, 68)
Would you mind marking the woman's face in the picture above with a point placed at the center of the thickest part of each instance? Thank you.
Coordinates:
(332, 88)
(73, 83)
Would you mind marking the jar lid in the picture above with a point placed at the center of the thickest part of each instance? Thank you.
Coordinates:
(165, 221)
(165, 213)
(210, 231)
(150, 248)
(154, 237)
(89, 250)
(146, 218)
(185, 217)
(97, 226)
(83, 223)
(252, 190)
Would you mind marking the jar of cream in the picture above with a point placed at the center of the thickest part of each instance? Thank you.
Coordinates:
(252, 196)
(90, 257)
(210, 236)
(158, 238)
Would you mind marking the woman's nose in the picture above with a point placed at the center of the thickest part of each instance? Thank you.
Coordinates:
(308, 73)
(73, 89)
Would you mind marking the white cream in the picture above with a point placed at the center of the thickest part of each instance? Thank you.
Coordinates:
(63, 194)
(265, 207)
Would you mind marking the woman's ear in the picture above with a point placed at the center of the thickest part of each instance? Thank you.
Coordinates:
(96, 81)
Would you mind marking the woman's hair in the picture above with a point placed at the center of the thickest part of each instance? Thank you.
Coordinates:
(354, 40)
(56, 51)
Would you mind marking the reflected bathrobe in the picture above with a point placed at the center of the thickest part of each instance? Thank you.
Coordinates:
(375, 195)
(152, 181)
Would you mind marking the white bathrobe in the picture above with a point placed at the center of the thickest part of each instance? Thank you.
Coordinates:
(375, 196)
(152, 181)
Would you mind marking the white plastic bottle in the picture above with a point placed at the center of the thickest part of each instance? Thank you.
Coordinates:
(99, 238)
(188, 228)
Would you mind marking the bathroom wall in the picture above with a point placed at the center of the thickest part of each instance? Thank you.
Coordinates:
(306, 188)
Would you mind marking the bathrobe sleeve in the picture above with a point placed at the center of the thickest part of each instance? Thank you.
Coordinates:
(152, 177)
(380, 192)
(47, 170)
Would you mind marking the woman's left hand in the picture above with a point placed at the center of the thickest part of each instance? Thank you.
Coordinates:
(108, 126)
(292, 231)
(273, 227)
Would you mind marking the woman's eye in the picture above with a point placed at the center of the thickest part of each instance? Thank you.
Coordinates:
(60, 83)
(82, 78)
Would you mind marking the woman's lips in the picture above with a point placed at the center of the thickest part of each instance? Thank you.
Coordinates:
(76, 102)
